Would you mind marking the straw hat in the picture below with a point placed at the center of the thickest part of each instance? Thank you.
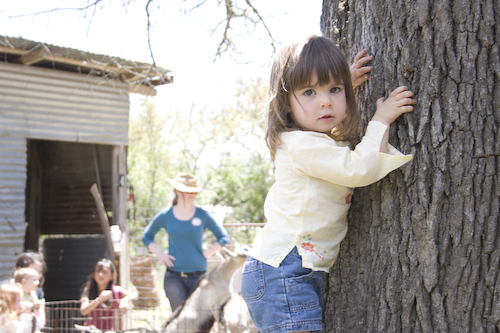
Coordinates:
(185, 182)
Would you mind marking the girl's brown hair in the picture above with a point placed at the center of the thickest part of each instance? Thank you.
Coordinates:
(292, 70)
(8, 294)
(93, 288)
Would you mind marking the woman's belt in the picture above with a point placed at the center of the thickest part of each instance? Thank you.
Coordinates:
(187, 274)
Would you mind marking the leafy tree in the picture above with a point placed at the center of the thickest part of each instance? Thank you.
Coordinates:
(149, 157)
(224, 147)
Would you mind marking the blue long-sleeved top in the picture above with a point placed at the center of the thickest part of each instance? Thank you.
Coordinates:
(185, 238)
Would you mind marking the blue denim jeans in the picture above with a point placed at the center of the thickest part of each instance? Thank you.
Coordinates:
(178, 288)
(284, 299)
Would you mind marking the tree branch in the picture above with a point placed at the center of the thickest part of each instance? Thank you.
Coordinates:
(149, 33)
(94, 4)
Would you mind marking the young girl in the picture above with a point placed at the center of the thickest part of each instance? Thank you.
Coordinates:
(312, 122)
(11, 310)
(101, 297)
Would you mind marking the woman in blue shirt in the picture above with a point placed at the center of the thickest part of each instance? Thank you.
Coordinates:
(185, 224)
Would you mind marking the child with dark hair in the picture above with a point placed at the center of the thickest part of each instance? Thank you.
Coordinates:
(32, 260)
(101, 297)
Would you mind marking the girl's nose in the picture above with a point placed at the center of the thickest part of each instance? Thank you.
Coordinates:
(326, 102)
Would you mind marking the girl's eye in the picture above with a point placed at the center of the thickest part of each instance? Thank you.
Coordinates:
(335, 90)
(309, 92)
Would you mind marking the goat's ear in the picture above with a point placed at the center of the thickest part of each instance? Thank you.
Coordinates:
(237, 246)
(228, 253)
(220, 256)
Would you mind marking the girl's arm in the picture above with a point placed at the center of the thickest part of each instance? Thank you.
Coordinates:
(124, 302)
(398, 102)
(87, 306)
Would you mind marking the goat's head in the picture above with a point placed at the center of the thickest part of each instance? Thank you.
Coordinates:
(233, 259)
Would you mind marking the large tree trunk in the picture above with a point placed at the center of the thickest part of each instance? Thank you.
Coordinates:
(423, 248)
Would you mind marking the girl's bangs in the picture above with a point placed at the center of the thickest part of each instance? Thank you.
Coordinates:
(101, 265)
(322, 59)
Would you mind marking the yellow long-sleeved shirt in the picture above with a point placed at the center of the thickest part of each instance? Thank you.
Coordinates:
(307, 206)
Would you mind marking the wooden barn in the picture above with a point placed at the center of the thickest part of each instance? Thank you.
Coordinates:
(64, 118)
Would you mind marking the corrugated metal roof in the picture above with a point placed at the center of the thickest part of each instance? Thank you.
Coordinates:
(33, 53)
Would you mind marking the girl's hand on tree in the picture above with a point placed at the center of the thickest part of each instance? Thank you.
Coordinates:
(359, 72)
(398, 102)
(166, 259)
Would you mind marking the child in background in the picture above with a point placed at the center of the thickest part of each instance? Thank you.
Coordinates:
(28, 278)
(101, 297)
(313, 123)
(11, 310)
(33, 260)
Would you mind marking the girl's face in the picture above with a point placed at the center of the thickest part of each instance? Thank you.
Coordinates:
(103, 276)
(318, 108)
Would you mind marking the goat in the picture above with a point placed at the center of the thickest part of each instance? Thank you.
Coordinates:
(204, 306)
(235, 317)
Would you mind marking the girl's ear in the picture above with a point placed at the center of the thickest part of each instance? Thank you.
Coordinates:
(114, 276)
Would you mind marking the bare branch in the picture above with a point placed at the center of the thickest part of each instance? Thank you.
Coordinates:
(263, 23)
(94, 4)
(226, 42)
(149, 33)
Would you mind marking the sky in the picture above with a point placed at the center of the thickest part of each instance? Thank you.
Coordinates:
(182, 40)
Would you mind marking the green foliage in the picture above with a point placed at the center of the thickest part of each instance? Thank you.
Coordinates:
(242, 184)
(224, 147)
(148, 158)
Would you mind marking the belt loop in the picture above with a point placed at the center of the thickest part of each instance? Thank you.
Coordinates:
(183, 274)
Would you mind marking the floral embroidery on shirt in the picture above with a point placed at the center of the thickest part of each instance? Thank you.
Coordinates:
(308, 246)
(348, 199)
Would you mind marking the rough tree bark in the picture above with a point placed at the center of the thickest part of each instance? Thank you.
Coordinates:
(423, 249)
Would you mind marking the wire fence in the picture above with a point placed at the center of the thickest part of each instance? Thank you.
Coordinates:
(151, 310)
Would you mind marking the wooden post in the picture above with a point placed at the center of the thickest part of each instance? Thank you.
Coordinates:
(119, 199)
(104, 220)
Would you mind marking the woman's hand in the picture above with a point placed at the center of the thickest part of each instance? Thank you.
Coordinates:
(359, 72)
(166, 259)
(398, 102)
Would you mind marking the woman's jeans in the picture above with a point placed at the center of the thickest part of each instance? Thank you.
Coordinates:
(178, 288)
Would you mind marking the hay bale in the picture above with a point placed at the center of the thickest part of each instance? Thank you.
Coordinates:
(143, 276)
